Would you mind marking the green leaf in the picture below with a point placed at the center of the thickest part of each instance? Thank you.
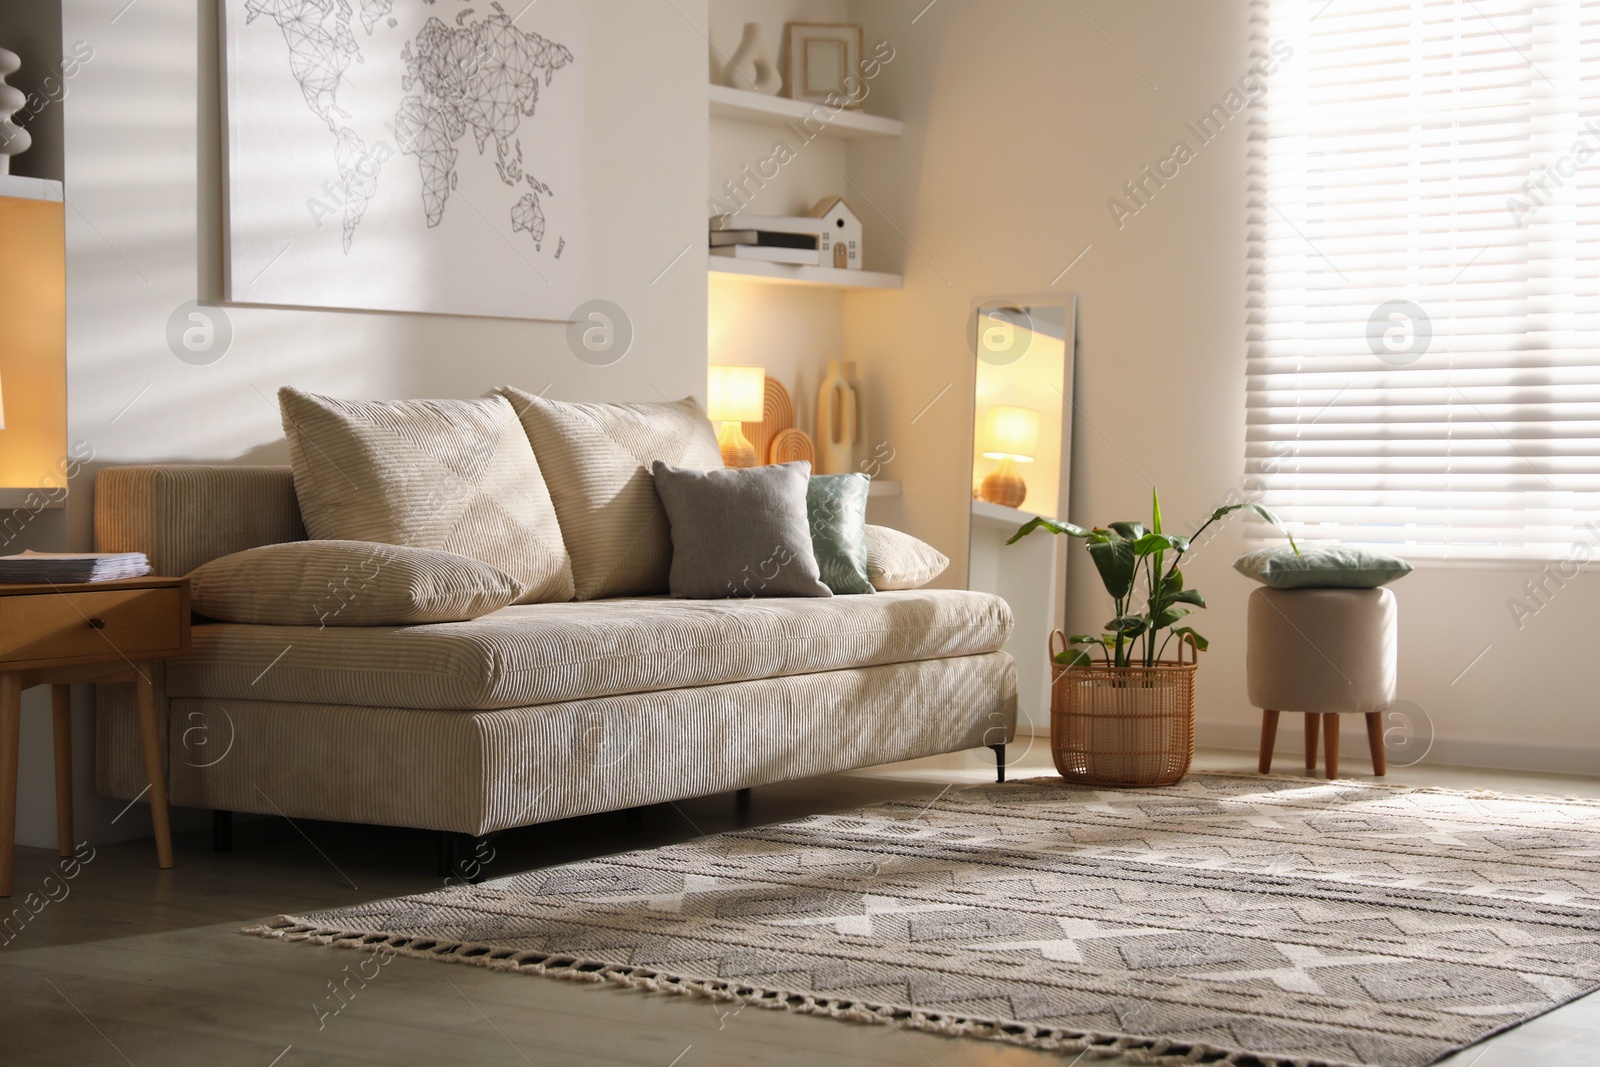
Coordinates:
(1186, 596)
(1262, 511)
(1128, 625)
(1039, 521)
(1131, 531)
(1117, 565)
(1168, 617)
(1152, 542)
(1179, 543)
(1086, 639)
(1155, 510)
(1172, 582)
(1199, 642)
(1074, 657)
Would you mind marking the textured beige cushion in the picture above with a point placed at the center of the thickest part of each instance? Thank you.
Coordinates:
(474, 772)
(596, 460)
(897, 560)
(457, 475)
(348, 583)
(545, 653)
(1322, 650)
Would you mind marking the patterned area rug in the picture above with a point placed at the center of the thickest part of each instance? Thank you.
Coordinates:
(1228, 919)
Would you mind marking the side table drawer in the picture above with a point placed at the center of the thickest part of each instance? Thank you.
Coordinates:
(64, 626)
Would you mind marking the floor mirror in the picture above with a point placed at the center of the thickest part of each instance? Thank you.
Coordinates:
(1022, 467)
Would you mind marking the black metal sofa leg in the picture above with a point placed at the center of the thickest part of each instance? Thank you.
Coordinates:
(999, 762)
(464, 856)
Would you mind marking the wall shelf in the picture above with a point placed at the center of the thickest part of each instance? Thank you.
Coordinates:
(789, 273)
(745, 106)
(14, 185)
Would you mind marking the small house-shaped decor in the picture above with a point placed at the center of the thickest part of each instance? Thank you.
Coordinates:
(840, 243)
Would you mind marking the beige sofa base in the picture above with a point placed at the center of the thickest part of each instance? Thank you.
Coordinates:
(476, 772)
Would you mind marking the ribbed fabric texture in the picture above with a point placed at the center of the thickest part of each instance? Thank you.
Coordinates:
(348, 583)
(546, 653)
(897, 560)
(475, 772)
(596, 460)
(457, 475)
(184, 515)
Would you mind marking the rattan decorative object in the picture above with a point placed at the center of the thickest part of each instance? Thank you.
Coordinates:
(791, 445)
(1123, 726)
(777, 415)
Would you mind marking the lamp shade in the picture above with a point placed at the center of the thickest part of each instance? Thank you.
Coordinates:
(736, 394)
(1010, 433)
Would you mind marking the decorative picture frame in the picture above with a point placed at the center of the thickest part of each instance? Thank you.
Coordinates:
(823, 58)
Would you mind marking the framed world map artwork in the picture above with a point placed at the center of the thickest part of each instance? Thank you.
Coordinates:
(405, 155)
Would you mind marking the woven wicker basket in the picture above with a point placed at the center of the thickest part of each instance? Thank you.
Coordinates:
(1123, 726)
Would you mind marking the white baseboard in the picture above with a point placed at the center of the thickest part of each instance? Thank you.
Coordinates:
(1451, 752)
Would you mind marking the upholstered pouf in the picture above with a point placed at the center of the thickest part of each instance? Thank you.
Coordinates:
(1325, 653)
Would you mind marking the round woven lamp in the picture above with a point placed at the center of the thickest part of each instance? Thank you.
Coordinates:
(1010, 435)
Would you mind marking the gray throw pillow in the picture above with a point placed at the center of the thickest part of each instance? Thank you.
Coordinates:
(739, 532)
(1321, 567)
(837, 507)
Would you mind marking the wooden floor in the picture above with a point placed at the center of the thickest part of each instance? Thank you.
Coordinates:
(145, 967)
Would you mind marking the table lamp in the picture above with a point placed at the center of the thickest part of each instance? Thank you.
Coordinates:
(1010, 434)
(736, 395)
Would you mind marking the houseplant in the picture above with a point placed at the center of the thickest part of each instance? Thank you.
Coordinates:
(1129, 719)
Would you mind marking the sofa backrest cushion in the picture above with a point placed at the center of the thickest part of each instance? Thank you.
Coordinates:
(456, 475)
(184, 515)
(596, 460)
(348, 583)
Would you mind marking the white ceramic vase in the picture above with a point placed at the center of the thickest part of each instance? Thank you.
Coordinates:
(839, 435)
(14, 140)
(751, 67)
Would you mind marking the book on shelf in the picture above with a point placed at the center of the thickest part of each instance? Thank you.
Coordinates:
(765, 238)
(768, 223)
(66, 568)
(800, 256)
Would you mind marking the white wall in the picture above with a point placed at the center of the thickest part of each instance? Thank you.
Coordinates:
(1024, 118)
(144, 235)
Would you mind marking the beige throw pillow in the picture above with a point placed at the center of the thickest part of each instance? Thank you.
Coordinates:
(596, 459)
(456, 475)
(348, 583)
(897, 560)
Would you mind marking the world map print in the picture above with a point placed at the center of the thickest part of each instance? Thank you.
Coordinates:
(478, 72)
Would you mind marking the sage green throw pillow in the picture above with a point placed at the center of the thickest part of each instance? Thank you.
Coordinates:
(1322, 567)
(836, 505)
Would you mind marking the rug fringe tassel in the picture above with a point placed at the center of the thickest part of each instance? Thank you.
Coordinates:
(1153, 1052)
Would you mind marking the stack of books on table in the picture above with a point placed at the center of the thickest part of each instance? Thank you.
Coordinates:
(769, 238)
(66, 568)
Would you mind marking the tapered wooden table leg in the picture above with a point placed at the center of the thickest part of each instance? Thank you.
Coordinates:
(150, 738)
(61, 717)
(1330, 742)
(1380, 765)
(10, 734)
(1313, 735)
(1269, 738)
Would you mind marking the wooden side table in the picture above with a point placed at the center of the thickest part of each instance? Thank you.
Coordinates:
(92, 632)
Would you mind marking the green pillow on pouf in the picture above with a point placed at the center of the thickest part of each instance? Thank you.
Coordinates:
(1324, 567)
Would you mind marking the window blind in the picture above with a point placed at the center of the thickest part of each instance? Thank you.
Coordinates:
(1424, 274)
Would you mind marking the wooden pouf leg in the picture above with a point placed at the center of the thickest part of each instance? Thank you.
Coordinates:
(1380, 765)
(1269, 738)
(61, 716)
(1313, 735)
(1330, 742)
(150, 738)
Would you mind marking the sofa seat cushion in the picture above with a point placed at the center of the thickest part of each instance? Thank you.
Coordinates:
(533, 654)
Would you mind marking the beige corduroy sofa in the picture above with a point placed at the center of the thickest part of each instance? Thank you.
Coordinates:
(536, 712)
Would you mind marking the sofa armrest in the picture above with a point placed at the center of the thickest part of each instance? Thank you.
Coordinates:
(185, 515)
